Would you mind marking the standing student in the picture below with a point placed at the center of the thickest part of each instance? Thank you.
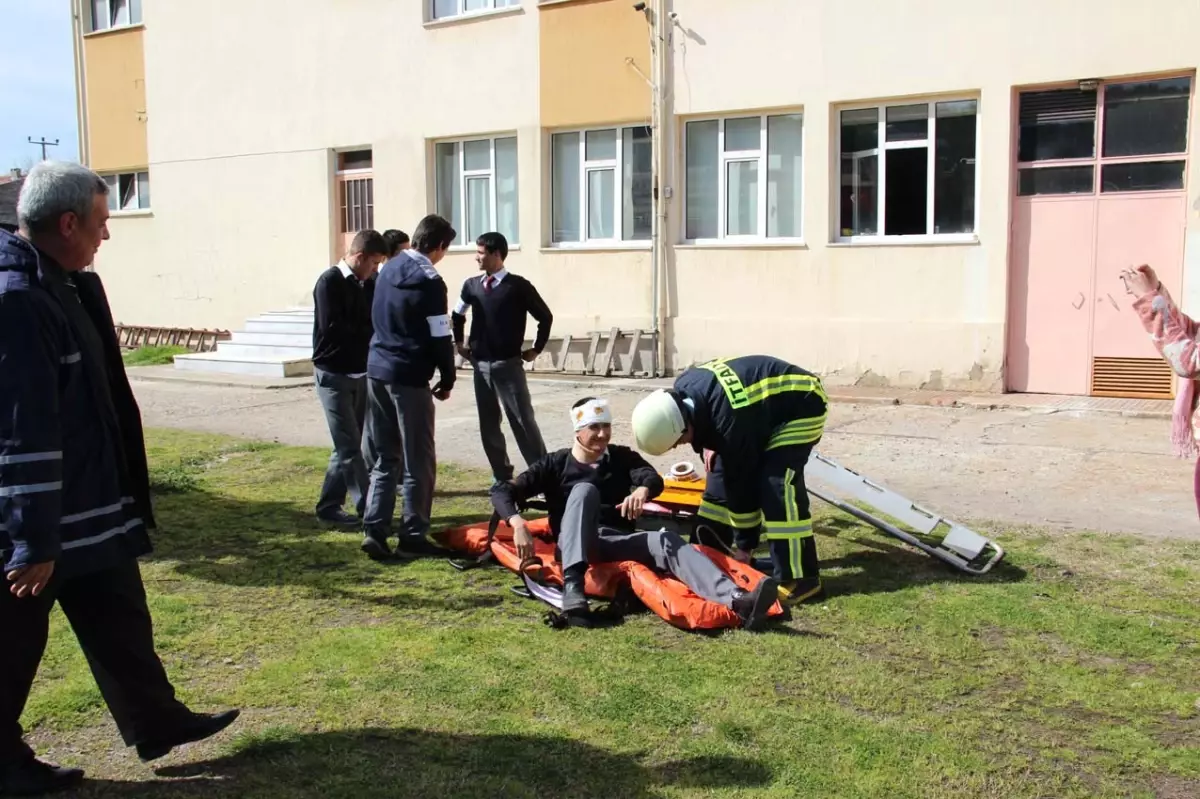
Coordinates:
(341, 338)
(75, 509)
(500, 303)
(412, 340)
(396, 241)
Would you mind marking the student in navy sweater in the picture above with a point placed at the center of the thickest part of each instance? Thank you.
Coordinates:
(500, 303)
(412, 340)
(341, 335)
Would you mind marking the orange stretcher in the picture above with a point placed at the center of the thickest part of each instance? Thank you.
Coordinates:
(667, 597)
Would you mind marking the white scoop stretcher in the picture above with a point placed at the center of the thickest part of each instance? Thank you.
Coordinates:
(959, 546)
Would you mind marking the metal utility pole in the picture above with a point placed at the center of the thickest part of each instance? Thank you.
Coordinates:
(44, 144)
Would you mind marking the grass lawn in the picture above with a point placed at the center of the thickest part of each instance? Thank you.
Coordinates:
(152, 356)
(1074, 670)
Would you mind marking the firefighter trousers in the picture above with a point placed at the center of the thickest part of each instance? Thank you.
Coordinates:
(779, 511)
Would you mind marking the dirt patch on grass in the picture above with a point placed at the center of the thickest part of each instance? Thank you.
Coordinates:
(1175, 788)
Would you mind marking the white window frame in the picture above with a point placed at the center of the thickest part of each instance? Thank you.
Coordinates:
(882, 147)
(494, 6)
(617, 165)
(113, 179)
(464, 175)
(758, 156)
(108, 7)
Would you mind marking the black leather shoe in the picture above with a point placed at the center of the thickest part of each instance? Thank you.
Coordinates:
(339, 518)
(574, 600)
(376, 548)
(196, 728)
(36, 778)
(753, 606)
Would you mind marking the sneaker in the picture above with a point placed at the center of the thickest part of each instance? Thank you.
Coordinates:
(196, 728)
(753, 606)
(795, 592)
(340, 518)
(35, 777)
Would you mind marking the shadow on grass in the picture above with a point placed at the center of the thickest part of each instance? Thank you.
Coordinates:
(882, 566)
(410, 762)
(217, 538)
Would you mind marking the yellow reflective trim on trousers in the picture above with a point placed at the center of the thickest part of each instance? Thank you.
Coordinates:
(798, 431)
(792, 513)
(719, 513)
(787, 529)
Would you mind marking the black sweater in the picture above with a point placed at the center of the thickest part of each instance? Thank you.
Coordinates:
(618, 473)
(498, 317)
(341, 322)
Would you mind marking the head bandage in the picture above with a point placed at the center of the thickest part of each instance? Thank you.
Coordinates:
(591, 412)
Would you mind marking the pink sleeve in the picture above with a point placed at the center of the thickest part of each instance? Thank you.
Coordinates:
(1173, 333)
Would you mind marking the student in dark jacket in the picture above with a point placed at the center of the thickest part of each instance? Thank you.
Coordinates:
(595, 491)
(412, 340)
(341, 337)
(500, 303)
(74, 486)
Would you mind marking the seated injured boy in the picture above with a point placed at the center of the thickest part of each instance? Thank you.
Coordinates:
(594, 492)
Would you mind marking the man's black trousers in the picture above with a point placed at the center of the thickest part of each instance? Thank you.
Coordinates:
(107, 611)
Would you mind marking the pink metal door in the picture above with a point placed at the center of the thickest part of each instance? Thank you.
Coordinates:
(1050, 324)
(1100, 187)
(1134, 229)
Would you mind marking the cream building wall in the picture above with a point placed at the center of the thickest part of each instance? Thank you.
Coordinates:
(246, 99)
(908, 314)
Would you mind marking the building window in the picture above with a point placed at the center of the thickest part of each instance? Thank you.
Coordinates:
(484, 172)
(115, 14)
(355, 192)
(744, 178)
(128, 191)
(600, 186)
(1062, 147)
(447, 9)
(908, 169)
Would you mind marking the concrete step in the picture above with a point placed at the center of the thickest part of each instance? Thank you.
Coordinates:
(269, 325)
(296, 313)
(217, 362)
(272, 338)
(282, 353)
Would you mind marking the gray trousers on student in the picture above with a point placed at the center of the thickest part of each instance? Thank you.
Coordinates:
(344, 399)
(581, 539)
(400, 428)
(502, 384)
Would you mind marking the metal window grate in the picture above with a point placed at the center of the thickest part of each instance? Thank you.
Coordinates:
(1133, 378)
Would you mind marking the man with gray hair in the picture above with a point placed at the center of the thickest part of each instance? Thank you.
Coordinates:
(74, 484)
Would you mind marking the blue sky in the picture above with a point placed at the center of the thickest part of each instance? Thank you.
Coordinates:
(37, 82)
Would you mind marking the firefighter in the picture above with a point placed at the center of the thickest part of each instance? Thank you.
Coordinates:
(756, 419)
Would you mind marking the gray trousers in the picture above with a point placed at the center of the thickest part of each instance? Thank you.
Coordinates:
(344, 399)
(400, 428)
(502, 384)
(581, 539)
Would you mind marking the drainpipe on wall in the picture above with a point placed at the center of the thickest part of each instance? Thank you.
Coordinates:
(658, 52)
(80, 83)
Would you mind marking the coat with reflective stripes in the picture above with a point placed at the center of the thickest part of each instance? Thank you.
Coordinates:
(73, 479)
(742, 407)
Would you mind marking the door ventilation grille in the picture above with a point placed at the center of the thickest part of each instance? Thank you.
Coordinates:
(1135, 378)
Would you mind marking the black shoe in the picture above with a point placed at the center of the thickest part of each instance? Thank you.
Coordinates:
(794, 592)
(340, 518)
(34, 777)
(196, 728)
(574, 600)
(753, 606)
(376, 548)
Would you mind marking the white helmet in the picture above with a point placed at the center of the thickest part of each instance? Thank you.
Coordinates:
(657, 423)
